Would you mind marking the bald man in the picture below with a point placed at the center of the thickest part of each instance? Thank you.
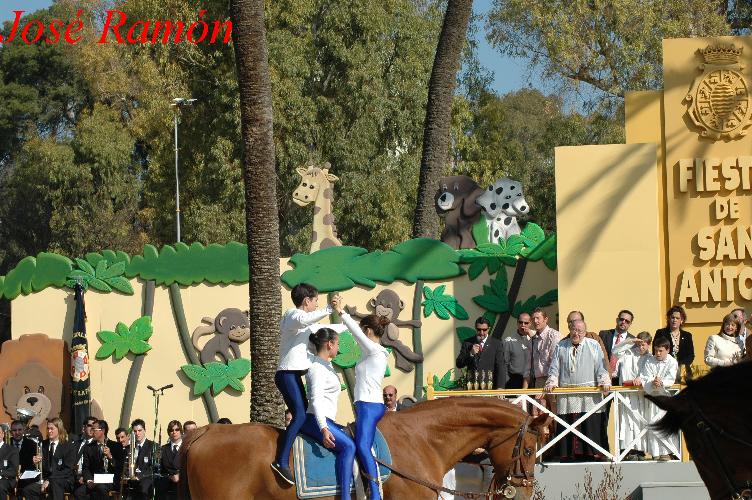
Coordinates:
(390, 398)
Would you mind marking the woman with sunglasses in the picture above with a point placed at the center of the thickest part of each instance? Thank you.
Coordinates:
(170, 461)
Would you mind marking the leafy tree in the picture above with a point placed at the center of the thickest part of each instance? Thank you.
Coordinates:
(612, 45)
(515, 135)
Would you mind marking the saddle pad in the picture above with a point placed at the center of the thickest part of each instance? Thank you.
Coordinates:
(314, 466)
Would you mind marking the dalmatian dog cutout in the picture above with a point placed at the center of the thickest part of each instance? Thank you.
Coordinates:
(503, 205)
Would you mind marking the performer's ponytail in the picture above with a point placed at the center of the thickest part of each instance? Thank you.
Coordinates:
(376, 323)
(320, 337)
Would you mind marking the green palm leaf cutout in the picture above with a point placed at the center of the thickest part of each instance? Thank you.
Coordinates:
(442, 304)
(533, 302)
(349, 351)
(218, 375)
(102, 278)
(494, 298)
(445, 383)
(124, 340)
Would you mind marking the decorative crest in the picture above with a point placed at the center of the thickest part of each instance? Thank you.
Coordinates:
(718, 103)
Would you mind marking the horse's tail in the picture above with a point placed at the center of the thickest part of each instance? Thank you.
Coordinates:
(184, 492)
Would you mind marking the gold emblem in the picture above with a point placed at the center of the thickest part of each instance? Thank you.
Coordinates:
(718, 101)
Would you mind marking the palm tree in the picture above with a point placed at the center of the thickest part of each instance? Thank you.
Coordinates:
(262, 224)
(446, 63)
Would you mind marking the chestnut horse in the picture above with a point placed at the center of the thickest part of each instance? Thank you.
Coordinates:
(426, 440)
(714, 412)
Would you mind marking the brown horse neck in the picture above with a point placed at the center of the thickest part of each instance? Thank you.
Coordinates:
(451, 429)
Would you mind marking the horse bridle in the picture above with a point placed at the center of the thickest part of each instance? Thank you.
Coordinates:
(517, 469)
(508, 488)
(705, 428)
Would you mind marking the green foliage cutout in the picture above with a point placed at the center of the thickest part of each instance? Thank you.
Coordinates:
(218, 375)
(533, 302)
(465, 332)
(124, 340)
(349, 351)
(531, 243)
(103, 277)
(494, 298)
(441, 304)
(445, 383)
(33, 274)
(342, 268)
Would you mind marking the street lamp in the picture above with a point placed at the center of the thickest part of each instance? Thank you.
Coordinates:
(178, 102)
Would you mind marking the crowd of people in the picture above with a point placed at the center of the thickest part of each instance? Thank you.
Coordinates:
(90, 465)
(537, 356)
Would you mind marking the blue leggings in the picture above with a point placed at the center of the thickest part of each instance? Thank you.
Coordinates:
(367, 415)
(290, 385)
(344, 448)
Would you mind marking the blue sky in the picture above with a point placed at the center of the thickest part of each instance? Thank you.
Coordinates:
(509, 73)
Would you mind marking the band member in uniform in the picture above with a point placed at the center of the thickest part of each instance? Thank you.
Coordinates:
(8, 465)
(141, 487)
(293, 363)
(369, 373)
(323, 392)
(58, 465)
(170, 461)
(81, 492)
(26, 447)
(102, 456)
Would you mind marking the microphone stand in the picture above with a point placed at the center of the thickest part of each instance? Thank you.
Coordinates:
(156, 393)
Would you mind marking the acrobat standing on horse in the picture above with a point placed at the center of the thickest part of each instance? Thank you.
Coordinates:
(369, 374)
(294, 362)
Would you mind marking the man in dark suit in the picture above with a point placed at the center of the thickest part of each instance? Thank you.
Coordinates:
(102, 456)
(26, 450)
(616, 336)
(58, 465)
(141, 488)
(170, 462)
(482, 354)
(8, 465)
(81, 492)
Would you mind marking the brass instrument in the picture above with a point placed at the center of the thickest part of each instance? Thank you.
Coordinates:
(39, 466)
(129, 467)
(104, 458)
(25, 416)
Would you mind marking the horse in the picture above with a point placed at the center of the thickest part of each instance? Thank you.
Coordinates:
(713, 412)
(426, 440)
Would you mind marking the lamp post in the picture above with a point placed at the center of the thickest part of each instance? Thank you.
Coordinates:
(178, 102)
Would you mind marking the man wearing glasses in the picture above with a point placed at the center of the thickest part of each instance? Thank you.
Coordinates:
(102, 456)
(614, 337)
(515, 352)
(482, 354)
(170, 462)
(87, 436)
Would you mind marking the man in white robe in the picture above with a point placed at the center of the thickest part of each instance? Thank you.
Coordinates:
(659, 373)
(578, 362)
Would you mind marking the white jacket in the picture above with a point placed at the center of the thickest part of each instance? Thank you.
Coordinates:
(293, 333)
(722, 350)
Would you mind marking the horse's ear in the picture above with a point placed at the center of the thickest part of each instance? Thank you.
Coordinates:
(541, 422)
(670, 404)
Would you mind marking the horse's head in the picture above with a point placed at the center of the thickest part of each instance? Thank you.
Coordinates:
(513, 456)
(713, 415)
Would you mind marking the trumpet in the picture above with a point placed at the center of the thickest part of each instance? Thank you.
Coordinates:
(39, 466)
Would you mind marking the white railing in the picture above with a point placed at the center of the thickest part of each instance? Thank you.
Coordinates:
(621, 409)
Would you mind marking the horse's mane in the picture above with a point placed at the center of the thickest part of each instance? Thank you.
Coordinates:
(722, 389)
(459, 410)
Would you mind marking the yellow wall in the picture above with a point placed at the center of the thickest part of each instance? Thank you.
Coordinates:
(51, 312)
(608, 234)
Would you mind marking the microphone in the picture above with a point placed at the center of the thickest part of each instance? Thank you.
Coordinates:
(150, 388)
(168, 386)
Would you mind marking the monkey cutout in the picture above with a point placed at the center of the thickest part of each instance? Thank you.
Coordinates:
(387, 303)
(231, 328)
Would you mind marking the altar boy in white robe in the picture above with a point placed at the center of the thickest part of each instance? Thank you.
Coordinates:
(632, 354)
(578, 362)
(659, 373)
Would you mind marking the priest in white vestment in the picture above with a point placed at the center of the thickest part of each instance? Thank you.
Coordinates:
(578, 362)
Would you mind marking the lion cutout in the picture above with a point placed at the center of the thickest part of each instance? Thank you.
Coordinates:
(34, 389)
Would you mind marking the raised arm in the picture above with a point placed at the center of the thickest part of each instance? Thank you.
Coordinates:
(366, 344)
(300, 319)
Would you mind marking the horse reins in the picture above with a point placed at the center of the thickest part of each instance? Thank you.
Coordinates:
(705, 426)
(507, 488)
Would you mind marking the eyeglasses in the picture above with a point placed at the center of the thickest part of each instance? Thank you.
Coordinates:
(625, 320)
(523, 322)
(97, 429)
(174, 429)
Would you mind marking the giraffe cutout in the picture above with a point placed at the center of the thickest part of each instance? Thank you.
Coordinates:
(316, 186)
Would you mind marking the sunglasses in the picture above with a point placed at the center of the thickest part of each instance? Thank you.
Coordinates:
(625, 320)
(481, 329)
(173, 429)
(523, 322)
